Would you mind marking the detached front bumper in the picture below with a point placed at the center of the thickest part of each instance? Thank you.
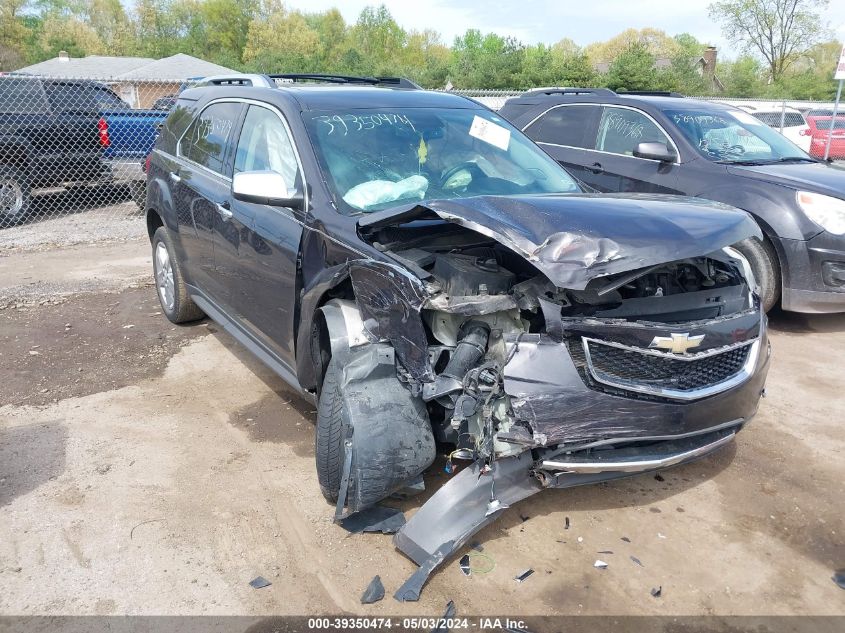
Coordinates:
(814, 274)
(576, 431)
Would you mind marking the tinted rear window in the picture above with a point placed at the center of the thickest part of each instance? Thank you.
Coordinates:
(71, 97)
(568, 125)
(22, 96)
(772, 119)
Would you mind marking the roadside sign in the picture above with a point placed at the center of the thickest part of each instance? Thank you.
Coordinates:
(840, 67)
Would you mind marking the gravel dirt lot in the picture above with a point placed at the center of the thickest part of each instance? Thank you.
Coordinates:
(153, 469)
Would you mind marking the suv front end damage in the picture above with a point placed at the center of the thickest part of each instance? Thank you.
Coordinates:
(545, 346)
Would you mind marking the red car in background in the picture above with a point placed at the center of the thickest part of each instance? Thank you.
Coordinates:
(820, 122)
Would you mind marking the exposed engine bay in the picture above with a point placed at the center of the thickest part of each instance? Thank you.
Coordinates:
(534, 357)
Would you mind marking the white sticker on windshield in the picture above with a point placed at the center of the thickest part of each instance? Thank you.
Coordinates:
(489, 132)
(744, 117)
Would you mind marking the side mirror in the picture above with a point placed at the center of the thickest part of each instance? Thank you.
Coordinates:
(265, 187)
(655, 151)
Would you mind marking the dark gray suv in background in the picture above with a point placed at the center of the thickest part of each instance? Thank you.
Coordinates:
(664, 143)
(436, 283)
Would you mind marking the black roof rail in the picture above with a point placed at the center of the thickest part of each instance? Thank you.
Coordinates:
(568, 91)
(651, 93)
(393, 82)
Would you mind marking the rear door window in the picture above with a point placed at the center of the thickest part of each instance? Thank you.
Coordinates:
(621, 130)
(207, 138)
(570, 126)
(22, 96)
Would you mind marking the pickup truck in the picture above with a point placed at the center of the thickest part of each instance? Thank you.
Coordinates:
(44, 142)
(127, 136)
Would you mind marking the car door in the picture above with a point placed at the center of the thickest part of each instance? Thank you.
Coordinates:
(564, 131)
(611, 164)
(201, 190)
(256, 245)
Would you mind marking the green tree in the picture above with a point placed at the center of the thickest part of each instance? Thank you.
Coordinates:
(778, 30)
(742, 78)
(633, 69)
(13, 34)
(378, 40)
(282, 42)
(486, 61)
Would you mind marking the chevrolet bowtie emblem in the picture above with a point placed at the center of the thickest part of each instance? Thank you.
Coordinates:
(677, 343)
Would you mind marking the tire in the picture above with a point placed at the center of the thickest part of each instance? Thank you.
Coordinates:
(331, 431)
(15, 194)
(393, 442)
(138, 193)
(172, 292)
(766, 268)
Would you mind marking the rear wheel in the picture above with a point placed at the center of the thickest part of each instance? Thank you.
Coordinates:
(14, 195)
(170, 284)
(766, 268)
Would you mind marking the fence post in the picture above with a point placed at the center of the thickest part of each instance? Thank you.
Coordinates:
(782, 114)
(832, 120)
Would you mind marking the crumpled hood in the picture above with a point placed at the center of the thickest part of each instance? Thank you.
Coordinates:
(820, 177)
(574, 238)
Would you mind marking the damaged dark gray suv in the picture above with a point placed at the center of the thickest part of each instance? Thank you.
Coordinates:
(438, 284)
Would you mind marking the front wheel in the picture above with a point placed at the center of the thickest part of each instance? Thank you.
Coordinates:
(764, 264)
(172, 292)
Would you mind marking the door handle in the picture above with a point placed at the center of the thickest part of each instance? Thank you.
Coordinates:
(224, 211)
(596, 168)
(174, 177)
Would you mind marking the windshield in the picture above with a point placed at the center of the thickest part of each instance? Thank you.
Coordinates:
(377, 159)
(734, 136)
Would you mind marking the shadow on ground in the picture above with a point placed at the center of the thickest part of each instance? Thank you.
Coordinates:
(30, 456)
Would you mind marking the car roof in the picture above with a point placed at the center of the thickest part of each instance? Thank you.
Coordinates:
(333, 96)
(607, 97)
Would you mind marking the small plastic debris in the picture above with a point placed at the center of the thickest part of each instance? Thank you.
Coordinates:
(521, 577)
(464, 563)
(839, 578)
(636, 561)
(659, 477)
(626, 539)
(566, 523)
(580, 539)
(659, 535)
(374, 519)
(374, 591)
(657, 591)
(443, 622)
(600, 564)
(605, 551)
(259, 582)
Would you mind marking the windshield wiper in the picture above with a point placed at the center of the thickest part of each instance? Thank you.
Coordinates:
(769, 161)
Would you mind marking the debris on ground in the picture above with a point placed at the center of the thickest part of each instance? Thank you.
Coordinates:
(566, 523)
(443, 622)
(524, 518)
(522, 576)
(659, 477)
(659, 535)
(839, 578)
(605, 551)
(637, 561)
(377, 518)
(374, 591)
(464, 563)
(656, 592)
(626, 539)
(259, 582)
(600, 564)
(478, 547)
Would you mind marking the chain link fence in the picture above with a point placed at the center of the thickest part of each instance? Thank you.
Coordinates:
(72, 155)
(72, 152)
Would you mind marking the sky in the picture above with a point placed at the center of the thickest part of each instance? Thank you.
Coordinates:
(548, 21)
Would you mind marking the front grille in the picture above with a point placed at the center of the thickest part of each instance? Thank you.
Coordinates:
(643, 371)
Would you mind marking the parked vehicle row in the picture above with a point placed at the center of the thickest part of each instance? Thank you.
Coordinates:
(69, 133)
(639, 143)
(422, 270)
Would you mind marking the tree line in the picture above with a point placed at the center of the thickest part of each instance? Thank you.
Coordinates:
(267, 36)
